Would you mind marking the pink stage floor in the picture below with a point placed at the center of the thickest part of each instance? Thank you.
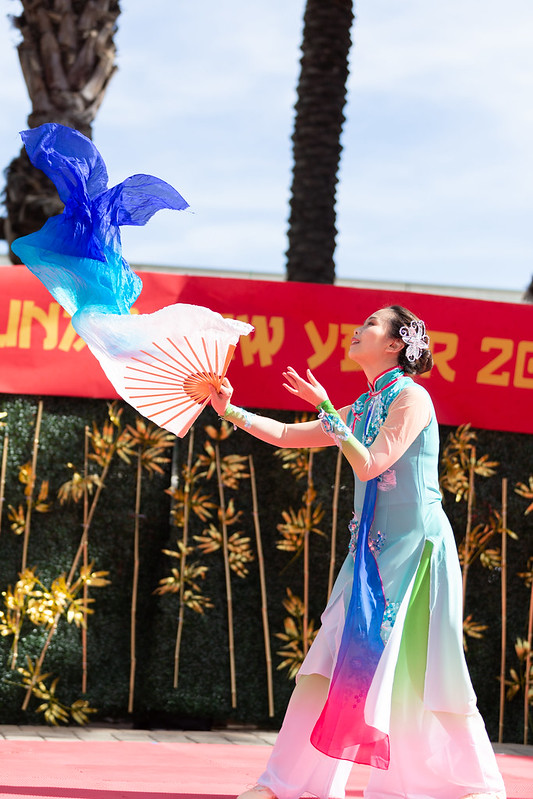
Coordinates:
(146, 770)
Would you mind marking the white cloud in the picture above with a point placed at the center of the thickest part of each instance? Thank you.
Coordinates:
(459, 50)
(437, 164)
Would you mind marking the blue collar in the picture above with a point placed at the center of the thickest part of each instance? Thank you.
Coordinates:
(385, 379)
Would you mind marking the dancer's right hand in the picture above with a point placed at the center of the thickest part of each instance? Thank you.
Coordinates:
(221, 399)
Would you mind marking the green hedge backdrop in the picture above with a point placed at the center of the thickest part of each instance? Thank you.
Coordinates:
(203, 698)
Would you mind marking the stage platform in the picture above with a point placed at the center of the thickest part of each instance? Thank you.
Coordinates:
(106, 763)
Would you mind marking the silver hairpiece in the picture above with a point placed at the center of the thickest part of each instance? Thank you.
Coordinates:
(416, 339)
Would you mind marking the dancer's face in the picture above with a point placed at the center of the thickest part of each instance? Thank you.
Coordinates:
(372, 342)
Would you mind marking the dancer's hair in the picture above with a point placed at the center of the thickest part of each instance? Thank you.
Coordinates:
(402, 317)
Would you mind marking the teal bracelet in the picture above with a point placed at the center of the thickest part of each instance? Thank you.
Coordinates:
(239, 413)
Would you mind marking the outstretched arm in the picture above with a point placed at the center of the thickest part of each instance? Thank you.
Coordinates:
(303, 434)
(408, 414)
(313, 392)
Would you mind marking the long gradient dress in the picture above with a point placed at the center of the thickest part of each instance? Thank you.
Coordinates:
(400, 696)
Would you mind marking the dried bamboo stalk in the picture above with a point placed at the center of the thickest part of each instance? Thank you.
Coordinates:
(85, 533)
(308, 501)
(3, 475)
(73, 568)
(334, 515)
(227, 574)
(85, 560)
(466, 552)
(183, 559)
(27, 525)
(29, 498)
(39, 663)
(135, 584)
(528, 665)
(504, 608)
(262, 581)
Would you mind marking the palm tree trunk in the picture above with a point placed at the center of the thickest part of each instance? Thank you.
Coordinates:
(67, 57)
(316, 140)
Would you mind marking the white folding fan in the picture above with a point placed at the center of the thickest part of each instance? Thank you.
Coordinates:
(163, 363)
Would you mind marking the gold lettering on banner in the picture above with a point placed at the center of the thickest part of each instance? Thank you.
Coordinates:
(524, 365)
(442, 358)
(49, 321)
(321, 349)
(487, 374)
(9, 338)
(266, 340)
(325, 349)
(70, 338)
(347, 365)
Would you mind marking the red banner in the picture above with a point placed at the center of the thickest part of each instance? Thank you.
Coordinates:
(483, 351)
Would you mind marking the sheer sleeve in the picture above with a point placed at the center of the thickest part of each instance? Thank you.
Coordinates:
(279, 434)
(408, 414)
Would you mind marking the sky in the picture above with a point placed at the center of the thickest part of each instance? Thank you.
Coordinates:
(436, 175)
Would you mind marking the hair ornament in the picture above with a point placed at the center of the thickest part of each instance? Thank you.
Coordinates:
(416, 339)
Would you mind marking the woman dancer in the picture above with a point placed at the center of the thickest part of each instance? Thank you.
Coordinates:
(385, 682)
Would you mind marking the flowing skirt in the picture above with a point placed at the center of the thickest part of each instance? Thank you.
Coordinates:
(435, 752)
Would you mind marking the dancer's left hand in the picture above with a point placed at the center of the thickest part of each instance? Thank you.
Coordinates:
(309, 390)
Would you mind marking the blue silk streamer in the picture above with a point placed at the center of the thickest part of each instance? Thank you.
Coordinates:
(78, 254)
(162, 363)
(341, 730)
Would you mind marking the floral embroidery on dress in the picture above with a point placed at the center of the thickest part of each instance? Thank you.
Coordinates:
(357, 409)
(368, 412)
(353, 527)
(378, 405)
(376, 416)
(376, 542)
(389, 617)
